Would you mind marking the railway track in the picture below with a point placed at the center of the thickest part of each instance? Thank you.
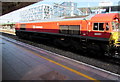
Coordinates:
(111, 64)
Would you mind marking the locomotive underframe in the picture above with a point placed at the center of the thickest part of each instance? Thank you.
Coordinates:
(80, 43)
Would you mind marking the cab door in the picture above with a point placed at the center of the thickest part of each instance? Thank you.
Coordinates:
(107, 30)
(99, 30)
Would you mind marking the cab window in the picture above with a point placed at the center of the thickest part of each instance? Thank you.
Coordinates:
(95, 26)
(115, 26)
(23, 27)
(98, 26)
(107, 26)
(101, 26)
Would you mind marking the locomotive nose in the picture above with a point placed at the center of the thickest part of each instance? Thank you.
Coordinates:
(118, 39)
(115, 38)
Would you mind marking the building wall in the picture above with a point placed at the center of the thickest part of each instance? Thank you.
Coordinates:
(37, 13)
(66, 9)
(44, 11)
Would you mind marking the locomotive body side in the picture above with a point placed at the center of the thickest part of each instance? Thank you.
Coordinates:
(96, 34)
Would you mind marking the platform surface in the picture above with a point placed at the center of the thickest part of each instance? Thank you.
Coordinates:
(22, 63)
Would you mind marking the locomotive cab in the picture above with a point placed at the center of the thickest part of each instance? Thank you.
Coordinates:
(100, 32)
(108, 26)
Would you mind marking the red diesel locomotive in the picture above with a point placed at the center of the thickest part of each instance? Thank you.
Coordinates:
(95, 33)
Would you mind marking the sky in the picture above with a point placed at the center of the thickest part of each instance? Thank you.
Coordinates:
(14, 16)
(81, 3)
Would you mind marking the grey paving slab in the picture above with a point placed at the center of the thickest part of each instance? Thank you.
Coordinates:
(36, 73)
(26, 56)
(113, 77)
(18, 66)
(15, 63)
(22, 54)
(69, 75)
(8, 72)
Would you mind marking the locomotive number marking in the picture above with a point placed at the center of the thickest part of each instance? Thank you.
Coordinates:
(97, 34)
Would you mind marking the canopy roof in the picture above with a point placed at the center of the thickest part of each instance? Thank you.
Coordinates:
(7, 23)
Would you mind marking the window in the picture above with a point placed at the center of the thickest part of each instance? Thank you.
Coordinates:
(115, 26)
(107, 26)
(22, 27)
(95, 26)
(98, 26)
(64, 29)
(74, 29)
(101, 27)
(118, 25)
(70, 29)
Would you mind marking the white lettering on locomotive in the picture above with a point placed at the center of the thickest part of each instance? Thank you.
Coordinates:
(37, 26)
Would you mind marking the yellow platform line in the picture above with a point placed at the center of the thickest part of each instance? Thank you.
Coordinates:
(70, 69)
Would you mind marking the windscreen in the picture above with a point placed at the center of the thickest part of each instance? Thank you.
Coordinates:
(116, 26)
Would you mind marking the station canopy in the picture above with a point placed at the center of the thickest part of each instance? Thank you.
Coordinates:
(7, 23)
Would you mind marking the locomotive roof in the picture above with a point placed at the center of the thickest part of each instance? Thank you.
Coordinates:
(105, 17)
(61, 19)
(92, 17)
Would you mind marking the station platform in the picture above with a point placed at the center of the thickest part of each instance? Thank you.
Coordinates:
(9, 31)
(21, 61)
